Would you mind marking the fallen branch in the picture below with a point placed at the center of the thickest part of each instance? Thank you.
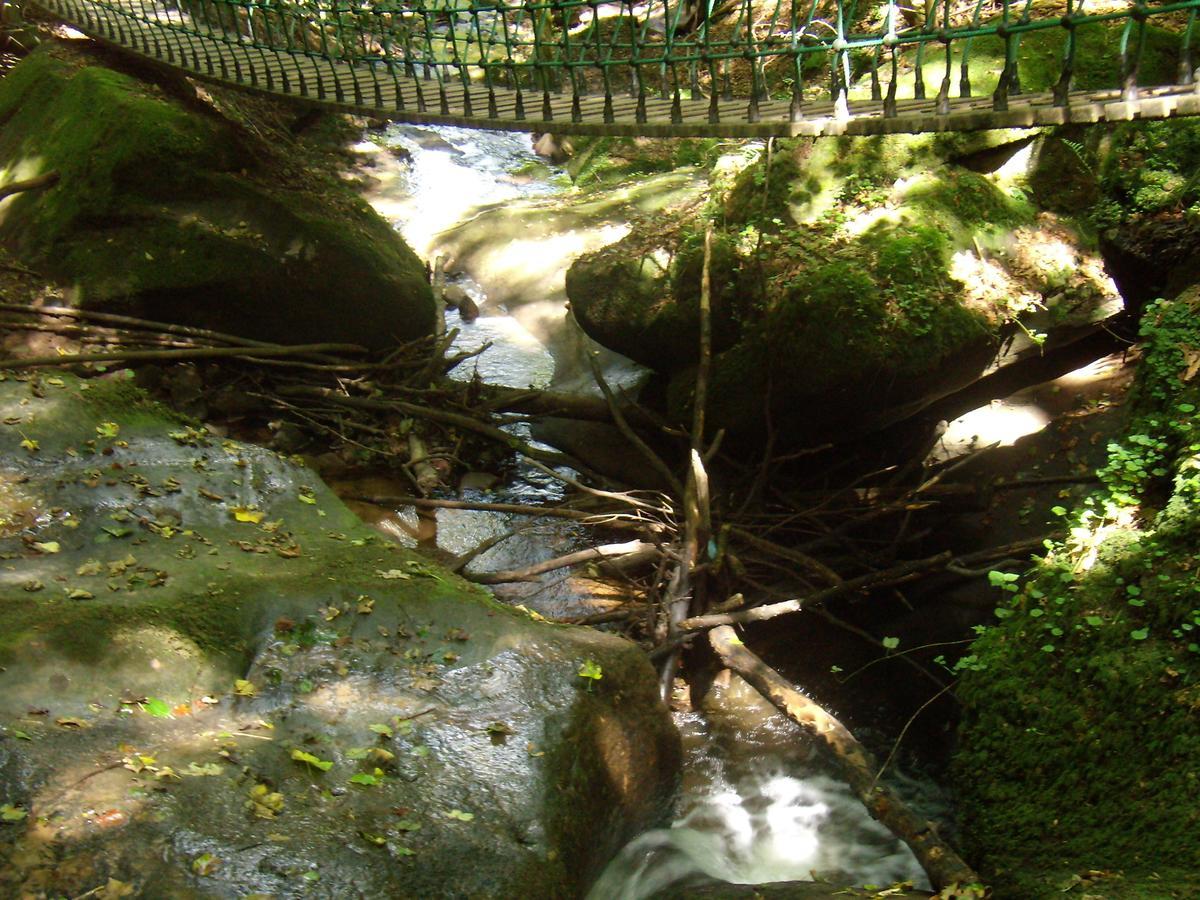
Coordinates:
(446, 417)
(894, 575)
(32, 362)
(41, 182)
(626, 553)
(88, 315)
(943, 866)
(607, 520)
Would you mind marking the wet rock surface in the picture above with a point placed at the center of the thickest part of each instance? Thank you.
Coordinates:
(216, 682)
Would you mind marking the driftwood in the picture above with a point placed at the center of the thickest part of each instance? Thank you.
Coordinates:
(626, 553)
(943, 866)
(41, 182)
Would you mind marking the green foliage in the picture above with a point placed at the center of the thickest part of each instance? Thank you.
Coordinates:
(1148, 167)
(1092, 671)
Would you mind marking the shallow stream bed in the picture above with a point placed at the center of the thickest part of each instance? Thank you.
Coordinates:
(758, 803)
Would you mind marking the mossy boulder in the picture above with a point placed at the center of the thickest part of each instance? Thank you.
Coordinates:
(1078, 751)
(863, 278)
(214, 681)
(166, 208)
(642, 297)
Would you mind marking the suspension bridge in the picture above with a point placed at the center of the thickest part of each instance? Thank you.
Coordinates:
(660, 68)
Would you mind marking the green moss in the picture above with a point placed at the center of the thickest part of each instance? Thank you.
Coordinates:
(1080, 743)
(762, 193)
(605, 161)
(179, 214)
(49, 107)
(960, 198)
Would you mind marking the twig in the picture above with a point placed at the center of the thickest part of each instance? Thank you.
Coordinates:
(69, 312)
(73, 359)
(903, 731)
(446, 417)
(41, 182)
(630, 435)
(626, 552)
(894, 575)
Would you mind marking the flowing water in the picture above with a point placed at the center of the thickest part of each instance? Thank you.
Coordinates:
(758, 802)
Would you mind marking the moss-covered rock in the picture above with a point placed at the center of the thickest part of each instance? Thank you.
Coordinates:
(1080, 739)
(867, 277)
(642, 298)
(214, 681)
(165, 208)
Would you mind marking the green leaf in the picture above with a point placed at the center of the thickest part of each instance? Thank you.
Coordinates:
(590, 669)
(108, 429)
(323, 764)
(1094, 621)
(460, 815)
(1140, 634)
(1058, 510)
(160, 709)
(364, 779)
(10, 813)
(890, 643)
(408, 825)
(380, 729)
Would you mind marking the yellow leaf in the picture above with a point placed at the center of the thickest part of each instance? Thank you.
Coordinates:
(244, 688)
(30, 445)
(246, 514)
(47, 546)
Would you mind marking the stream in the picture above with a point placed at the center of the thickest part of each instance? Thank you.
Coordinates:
(757, 802)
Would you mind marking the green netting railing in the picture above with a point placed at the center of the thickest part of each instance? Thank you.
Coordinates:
(798, 51)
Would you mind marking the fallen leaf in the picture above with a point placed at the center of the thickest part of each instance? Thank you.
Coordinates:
(244, 688)
(460, 815)
(323, 764)
(264, 802)
(248, 514)
(201, 770)
(205, 864)
(71, 722)
(157, 708)
(47, 546)
(30, 445)
(10, 813)
(391, 574)
(91, 567)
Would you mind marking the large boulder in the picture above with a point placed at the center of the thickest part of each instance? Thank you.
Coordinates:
(215, 681)
(855, 282)
(166, 208)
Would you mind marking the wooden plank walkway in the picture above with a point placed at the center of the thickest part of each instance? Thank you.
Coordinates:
(382, 90)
